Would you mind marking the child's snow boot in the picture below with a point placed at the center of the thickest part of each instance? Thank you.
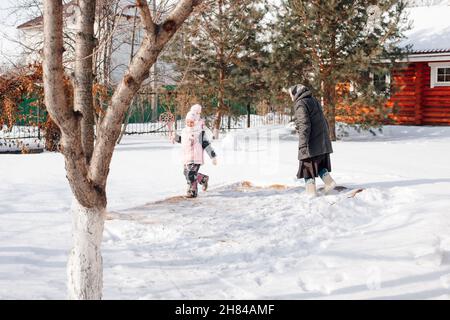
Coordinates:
(203, 180)
(310, 187)
(192, 190)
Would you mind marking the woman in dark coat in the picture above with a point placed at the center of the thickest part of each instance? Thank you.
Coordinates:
(314, 140)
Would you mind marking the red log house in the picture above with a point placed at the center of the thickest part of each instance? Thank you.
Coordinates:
(421, 89)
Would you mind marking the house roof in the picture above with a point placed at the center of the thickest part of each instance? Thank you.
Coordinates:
(32, 23)
(430, 51)
(430, 32)
(38, 21)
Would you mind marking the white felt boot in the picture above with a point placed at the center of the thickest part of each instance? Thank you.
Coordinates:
(330, 184)
(310, 189)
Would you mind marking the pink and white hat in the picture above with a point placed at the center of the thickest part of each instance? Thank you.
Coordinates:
(190, 116)
(197, 110)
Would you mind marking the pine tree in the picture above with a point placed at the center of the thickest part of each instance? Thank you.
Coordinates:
(220, 61)
(326, 43)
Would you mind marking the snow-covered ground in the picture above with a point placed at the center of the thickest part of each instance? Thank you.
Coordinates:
(263, 240)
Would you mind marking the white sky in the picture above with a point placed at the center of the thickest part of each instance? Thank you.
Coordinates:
(431, 28)
(7, 48)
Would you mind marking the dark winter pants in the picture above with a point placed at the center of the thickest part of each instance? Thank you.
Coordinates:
(193, 177)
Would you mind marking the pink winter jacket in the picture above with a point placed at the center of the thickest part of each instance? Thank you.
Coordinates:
(193, 142)
(192, 145)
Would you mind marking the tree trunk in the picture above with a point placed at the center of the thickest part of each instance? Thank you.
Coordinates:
(154, 99)
(221, 63)
(83, 100)
(125, 124)
(330, 84)
(219, 114)
(332, 126)
(154, 116)
(248, 115)
(220, 101)
(85, 266)
(216, 125)
(329, 99)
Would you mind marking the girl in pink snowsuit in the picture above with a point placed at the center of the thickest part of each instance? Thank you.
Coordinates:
(194, 143)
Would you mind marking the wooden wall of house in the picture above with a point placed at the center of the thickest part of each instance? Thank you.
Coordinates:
(417, 102)
(403, 97)
(435, 104)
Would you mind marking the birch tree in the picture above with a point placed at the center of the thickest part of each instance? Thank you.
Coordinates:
(87, 158)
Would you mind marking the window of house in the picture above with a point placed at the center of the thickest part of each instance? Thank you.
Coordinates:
(443, 74)
(381, 82)
(440, 74)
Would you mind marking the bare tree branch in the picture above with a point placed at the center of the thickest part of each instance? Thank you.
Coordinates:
(146, 18)
(83, 100)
